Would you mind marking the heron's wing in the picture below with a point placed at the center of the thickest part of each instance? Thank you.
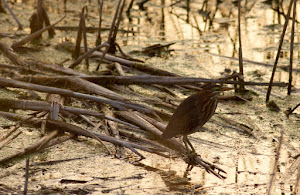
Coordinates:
(188, 116)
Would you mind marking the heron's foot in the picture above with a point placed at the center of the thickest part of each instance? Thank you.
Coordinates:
(187, 170)
(191, 158)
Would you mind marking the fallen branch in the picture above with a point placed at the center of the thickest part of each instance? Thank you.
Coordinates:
(89, 29)
(173, 143)
(34, 35)
(117, 104)
(43, 106)
(34, 149)
(62, 126)
(148, 79)
(55, 68)
(76, 84)
(292, 110)
(114, 131)
(97, 55)
(11, 55)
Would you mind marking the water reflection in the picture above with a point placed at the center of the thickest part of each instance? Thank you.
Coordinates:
(198, 27)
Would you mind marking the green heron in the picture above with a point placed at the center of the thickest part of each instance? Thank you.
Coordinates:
(192, 113)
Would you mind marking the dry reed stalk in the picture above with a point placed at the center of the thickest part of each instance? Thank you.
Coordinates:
(163, 80)
(109, 41)
(241, 69)
(82, 17)
(62, 127)
(172, 143)
(26, 176)
(120, 153)
(277, 155)
(20, 26)
(292, 49)
(11, 55)
(9, 139)
(34, 35)
(43, 106)
(117, 104)
(55, 68)
(98, 38)
(278, 52)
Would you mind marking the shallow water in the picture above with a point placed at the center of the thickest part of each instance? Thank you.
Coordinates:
(248, 161)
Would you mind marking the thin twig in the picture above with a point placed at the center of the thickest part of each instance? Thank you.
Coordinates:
(85, 55)
(34, 35)
(292, 49)
(278, 52)
(297, 184)
(120, 153)
(109, 35)
(20, 26)
(9, 139)
(26, 176)
(241, 70)
(51, 32)
(77, 49)
(32, 149)
(292, 110)
(84, 34)
(98, 39)
(118, 23)
(275, 163)
(93, 136)
(9, 132)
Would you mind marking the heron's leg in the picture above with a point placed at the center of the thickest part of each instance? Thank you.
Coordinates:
(188, 169)
(191, 153)
(186, 144)
(190, 144)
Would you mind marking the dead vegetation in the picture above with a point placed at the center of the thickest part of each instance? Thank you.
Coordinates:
(64, 103)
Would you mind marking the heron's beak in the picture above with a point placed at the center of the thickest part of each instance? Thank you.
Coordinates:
(215, 94)
(225, 88)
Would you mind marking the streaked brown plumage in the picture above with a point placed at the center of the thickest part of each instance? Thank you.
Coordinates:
(192, 113)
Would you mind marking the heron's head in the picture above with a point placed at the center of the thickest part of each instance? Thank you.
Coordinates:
(214, 89)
